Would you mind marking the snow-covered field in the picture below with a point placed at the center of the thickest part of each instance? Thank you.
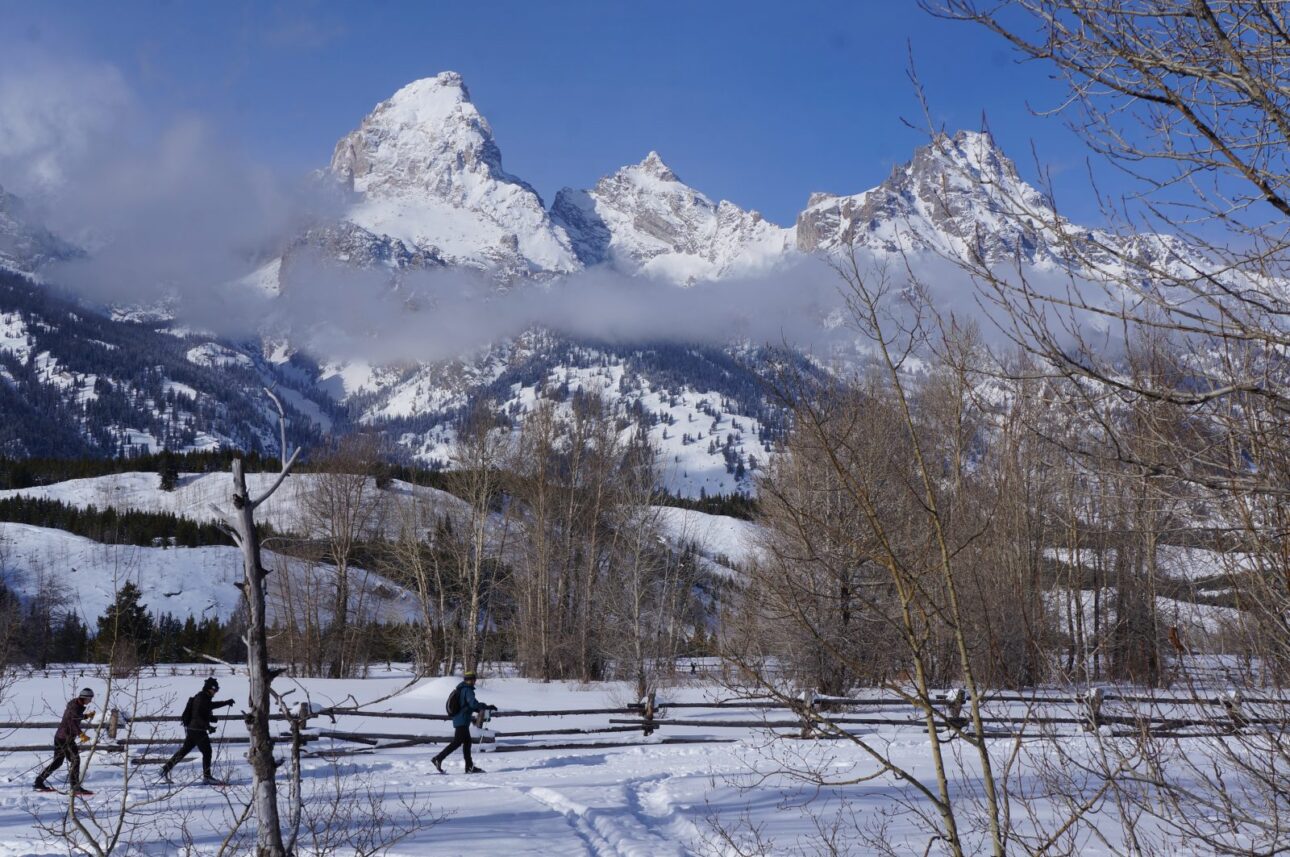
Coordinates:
(649, 799)
(199, 496)
(199, 582)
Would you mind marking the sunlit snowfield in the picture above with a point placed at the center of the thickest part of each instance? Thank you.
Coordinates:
(651, 799)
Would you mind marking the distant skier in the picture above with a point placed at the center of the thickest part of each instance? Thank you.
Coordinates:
(199, 724)
(70, 730)
(462, 705)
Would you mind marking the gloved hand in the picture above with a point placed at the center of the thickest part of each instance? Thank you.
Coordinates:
(492, 708)
(89, 715)
(83, 738)
(210, 729)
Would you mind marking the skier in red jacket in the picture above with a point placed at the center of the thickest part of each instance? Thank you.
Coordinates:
(70, 729)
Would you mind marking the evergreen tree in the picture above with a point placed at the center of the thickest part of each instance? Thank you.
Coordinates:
(168, 472)
(71, 640)
(126, 629)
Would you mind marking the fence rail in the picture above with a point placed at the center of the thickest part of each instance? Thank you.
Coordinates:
(810, 716)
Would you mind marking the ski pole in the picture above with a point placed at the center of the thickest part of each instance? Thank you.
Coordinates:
(26, 772)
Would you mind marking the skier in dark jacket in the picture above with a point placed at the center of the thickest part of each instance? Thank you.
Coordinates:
(199, 723)
(70, 729)
(467, 706)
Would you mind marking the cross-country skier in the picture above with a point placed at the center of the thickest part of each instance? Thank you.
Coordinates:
(70, 729)
(199, 724)
(466, 705)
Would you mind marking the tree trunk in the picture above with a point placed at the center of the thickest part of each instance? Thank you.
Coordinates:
(264, 789)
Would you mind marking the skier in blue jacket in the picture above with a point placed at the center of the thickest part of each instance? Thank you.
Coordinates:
(467, 705)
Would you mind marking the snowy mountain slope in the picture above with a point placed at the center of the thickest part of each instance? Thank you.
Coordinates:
(24, 244)
(957, 194)
(645, 220)
(726, 543)
(199, 494)
(705, 409)
(428, 192)
(76, 382)
(424, 169)
(183, 582)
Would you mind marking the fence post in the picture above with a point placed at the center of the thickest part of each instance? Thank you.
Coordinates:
(650, 700)
(954, 701)
(1093, 698)
(1232, 705)
(112, 723)
(808, 708)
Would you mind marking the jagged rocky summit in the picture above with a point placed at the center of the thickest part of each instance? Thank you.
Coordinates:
(423, 168)
(645, 220)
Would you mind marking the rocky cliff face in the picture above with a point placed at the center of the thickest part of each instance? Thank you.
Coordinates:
(644, 220)
(957, 195)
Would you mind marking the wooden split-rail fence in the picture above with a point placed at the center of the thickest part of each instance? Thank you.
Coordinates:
(1010, 715)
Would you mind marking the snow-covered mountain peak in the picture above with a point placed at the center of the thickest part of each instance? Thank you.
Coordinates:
(977, 151)
(410, 140)
(653, 166)
(425, 169)
(959, 194)
(643, 219)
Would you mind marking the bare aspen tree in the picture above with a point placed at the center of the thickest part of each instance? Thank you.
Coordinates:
(539, 582)
(480, 538)
(1189, 99)
(417, 560)
(241, 525)
(883, 522)
(1169, 336)
(647, 595)
(341, 508)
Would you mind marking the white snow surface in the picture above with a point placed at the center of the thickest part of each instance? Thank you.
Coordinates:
(646, 800)
(719, 538)
(197, 582)
(199, 495)
(13, 336)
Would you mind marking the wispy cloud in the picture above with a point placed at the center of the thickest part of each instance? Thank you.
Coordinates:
(55, 119)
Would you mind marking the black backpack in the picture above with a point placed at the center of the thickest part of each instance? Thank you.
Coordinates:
(187, 717)
(453, 705)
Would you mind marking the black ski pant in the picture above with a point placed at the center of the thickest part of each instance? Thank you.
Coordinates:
(198, 738)
(460, 738)
(64, 749)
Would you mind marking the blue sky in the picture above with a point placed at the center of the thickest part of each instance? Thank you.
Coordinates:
(757, 102)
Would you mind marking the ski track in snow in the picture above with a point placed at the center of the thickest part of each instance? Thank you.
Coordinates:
(608, 832)
(637, 801)
(630, 818)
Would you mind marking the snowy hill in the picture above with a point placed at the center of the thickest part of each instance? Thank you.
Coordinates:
(199, 494)
(197, 582)
(424, 169)
(645, 220)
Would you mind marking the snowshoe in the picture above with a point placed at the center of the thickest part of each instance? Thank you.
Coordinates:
(83, 793)
(41, 787)
(165, 778)
(213, 781)
(474, 769)
(438, 765)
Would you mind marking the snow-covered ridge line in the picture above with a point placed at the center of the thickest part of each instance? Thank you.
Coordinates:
(200, 496)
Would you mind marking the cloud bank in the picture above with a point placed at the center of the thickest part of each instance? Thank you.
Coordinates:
(172, 209)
